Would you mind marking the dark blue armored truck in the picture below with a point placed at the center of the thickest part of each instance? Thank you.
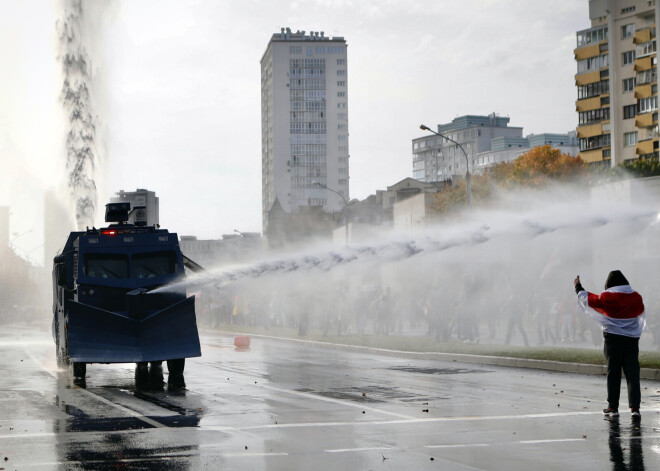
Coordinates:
(103, 304)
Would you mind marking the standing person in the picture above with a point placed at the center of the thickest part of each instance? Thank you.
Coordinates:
(620, 311)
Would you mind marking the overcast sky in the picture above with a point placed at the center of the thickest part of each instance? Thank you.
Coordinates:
(180, 87)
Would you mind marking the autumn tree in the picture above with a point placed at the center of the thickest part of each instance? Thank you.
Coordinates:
(538, 168)
(453, 197)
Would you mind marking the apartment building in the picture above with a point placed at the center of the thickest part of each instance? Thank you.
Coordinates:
(617, 96)
(304, 123)
(437, 159)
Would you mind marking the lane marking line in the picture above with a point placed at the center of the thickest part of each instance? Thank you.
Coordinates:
(250, 455)
(464, 445)
(553, 440)
(348, 450)
(322, 398)
(105, 401)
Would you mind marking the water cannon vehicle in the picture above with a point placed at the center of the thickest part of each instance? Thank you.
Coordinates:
(104, 305)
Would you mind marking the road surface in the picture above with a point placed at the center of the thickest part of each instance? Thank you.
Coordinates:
(283, 405)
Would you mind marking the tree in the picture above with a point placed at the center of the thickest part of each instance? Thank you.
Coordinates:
(453, 197)
(538, 168)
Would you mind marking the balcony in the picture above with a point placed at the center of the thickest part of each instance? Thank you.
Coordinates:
(643, 91)
(590, 130)
(644, 120)
(586, 79)
(645, 147)
(643, 63)
(642, 36)
(588, 51)
(588, 104)
(591, 155)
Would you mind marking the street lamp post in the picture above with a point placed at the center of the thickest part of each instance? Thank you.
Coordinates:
(468, 189)
(27, 256)
(16, 236)
(345, 205)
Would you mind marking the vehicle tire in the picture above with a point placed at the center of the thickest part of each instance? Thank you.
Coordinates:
(175, 367)
(79, 370)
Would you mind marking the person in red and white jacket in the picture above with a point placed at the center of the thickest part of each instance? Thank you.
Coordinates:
(620, 311)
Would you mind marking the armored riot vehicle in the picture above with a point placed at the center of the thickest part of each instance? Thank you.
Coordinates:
(104, 305)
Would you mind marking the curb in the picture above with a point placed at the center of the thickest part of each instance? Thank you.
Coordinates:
(548, 365)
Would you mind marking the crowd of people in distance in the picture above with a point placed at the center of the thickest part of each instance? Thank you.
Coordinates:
(461, 311)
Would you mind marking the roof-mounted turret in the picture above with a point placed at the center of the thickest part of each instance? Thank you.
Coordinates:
(117, 212)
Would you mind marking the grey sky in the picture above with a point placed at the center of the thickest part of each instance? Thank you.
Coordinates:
(181, 108)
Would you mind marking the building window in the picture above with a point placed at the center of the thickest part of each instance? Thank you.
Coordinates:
(627, 10)
(341, 83)
(341, 72)
(591, 36)
(648, 104)
(627, 31)
(593, 89)
(628, 57)
(646, 76)
(630, 138)
(341, 94)
(629, 111)
(593, 116)
(645, 49)
(341, 61)
(628, 85)
(592, 63)
(595, 142)
(295, 49)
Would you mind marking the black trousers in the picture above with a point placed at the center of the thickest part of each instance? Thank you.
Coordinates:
(622, 353)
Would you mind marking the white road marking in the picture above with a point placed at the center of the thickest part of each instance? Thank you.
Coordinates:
(400, 421)
(555, 440)
(250, 455)
(459, 445)
(119, 407)
(346, 450)
(317, 397)
(125, 410)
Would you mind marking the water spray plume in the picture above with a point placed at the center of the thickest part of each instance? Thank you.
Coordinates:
(493, 229)
(82, 158)
(479, 272)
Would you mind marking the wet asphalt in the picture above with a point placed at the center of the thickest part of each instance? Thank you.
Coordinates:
(283, 405)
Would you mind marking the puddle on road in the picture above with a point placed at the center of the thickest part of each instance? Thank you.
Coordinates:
(371, 394)
(437, 371)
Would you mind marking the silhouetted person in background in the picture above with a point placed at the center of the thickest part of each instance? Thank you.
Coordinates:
(516, 320)
(620, 311)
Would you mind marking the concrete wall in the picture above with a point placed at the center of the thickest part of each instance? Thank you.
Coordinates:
(412, 213)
